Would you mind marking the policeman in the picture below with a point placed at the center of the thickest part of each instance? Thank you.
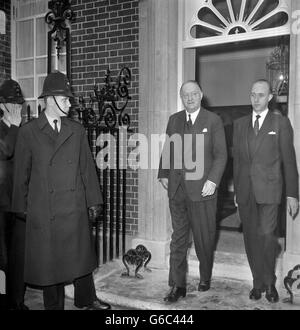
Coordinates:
(12, 227)
(55, 184)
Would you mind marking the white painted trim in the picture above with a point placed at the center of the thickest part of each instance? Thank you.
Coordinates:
(181, 15)
(254, 11)
(14, 60)
(37, 57)
(242, 11)
(24, 59)
(27, 18)
(35, 84)
(25, 77)
(191, 19)
(2, 282)
(3, 21)
(268, 33)
(30, 99)
(13, 40)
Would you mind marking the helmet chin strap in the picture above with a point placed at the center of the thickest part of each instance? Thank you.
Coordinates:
(5, 107)
(59, 106)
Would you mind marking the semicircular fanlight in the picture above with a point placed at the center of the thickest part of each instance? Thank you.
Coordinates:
(277, 20)
(226, 17)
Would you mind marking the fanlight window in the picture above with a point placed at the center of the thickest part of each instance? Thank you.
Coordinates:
(230, 17)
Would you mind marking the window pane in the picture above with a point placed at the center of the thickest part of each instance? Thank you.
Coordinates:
(41, 37)
(24, 68)
(41, 65)
(24, 32)
(27, 86)
(27, 8)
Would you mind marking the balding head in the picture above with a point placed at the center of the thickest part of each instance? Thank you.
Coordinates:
(190, 82)
(264, 81)
(191, 95)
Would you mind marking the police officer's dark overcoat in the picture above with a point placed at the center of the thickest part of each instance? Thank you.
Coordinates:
(55, 182)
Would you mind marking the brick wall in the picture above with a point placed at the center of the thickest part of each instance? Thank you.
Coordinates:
(5, 40)
(105, 34)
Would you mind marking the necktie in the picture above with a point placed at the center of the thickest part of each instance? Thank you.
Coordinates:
(256, 125)
(55, 126)
(189, 123)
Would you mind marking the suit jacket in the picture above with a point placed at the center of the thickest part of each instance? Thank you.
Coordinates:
(273, 155)
(8, 137)
(215, 154)
(55, 181)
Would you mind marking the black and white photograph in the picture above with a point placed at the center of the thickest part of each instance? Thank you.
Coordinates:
(149, 158)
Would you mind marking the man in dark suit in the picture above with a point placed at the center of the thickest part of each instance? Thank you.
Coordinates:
(192, 197)
(55, 184)
(262, 148)
(12, 227)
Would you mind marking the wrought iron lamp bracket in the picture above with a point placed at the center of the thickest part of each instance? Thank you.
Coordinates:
(58, 19)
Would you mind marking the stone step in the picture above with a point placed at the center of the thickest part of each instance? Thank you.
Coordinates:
(229, 265)
(226, 265)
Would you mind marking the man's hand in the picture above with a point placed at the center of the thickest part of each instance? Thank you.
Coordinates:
(95, 211)
(292, 206)
(14, 116)
(234, 201)
(164, 183)
(209, 188)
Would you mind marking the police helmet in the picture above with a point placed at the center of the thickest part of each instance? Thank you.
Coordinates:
(56, 84)
(10, 92)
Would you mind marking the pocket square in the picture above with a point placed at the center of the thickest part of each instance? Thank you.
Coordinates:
(272, 133)
(205, 130)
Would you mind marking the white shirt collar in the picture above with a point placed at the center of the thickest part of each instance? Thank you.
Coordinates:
(194, 116)
(51, 121)
(261, 119)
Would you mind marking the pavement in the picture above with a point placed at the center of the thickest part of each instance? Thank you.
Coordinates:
(230, 286)
(148, 293)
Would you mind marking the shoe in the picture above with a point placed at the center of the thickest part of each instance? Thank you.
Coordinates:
(19, 307)
(255, 294)
(175, 294)
(204, 286)
(98, 305)
(272, 294)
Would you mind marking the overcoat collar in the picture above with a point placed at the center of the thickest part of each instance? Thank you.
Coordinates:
(64, 134)
(4, 128)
